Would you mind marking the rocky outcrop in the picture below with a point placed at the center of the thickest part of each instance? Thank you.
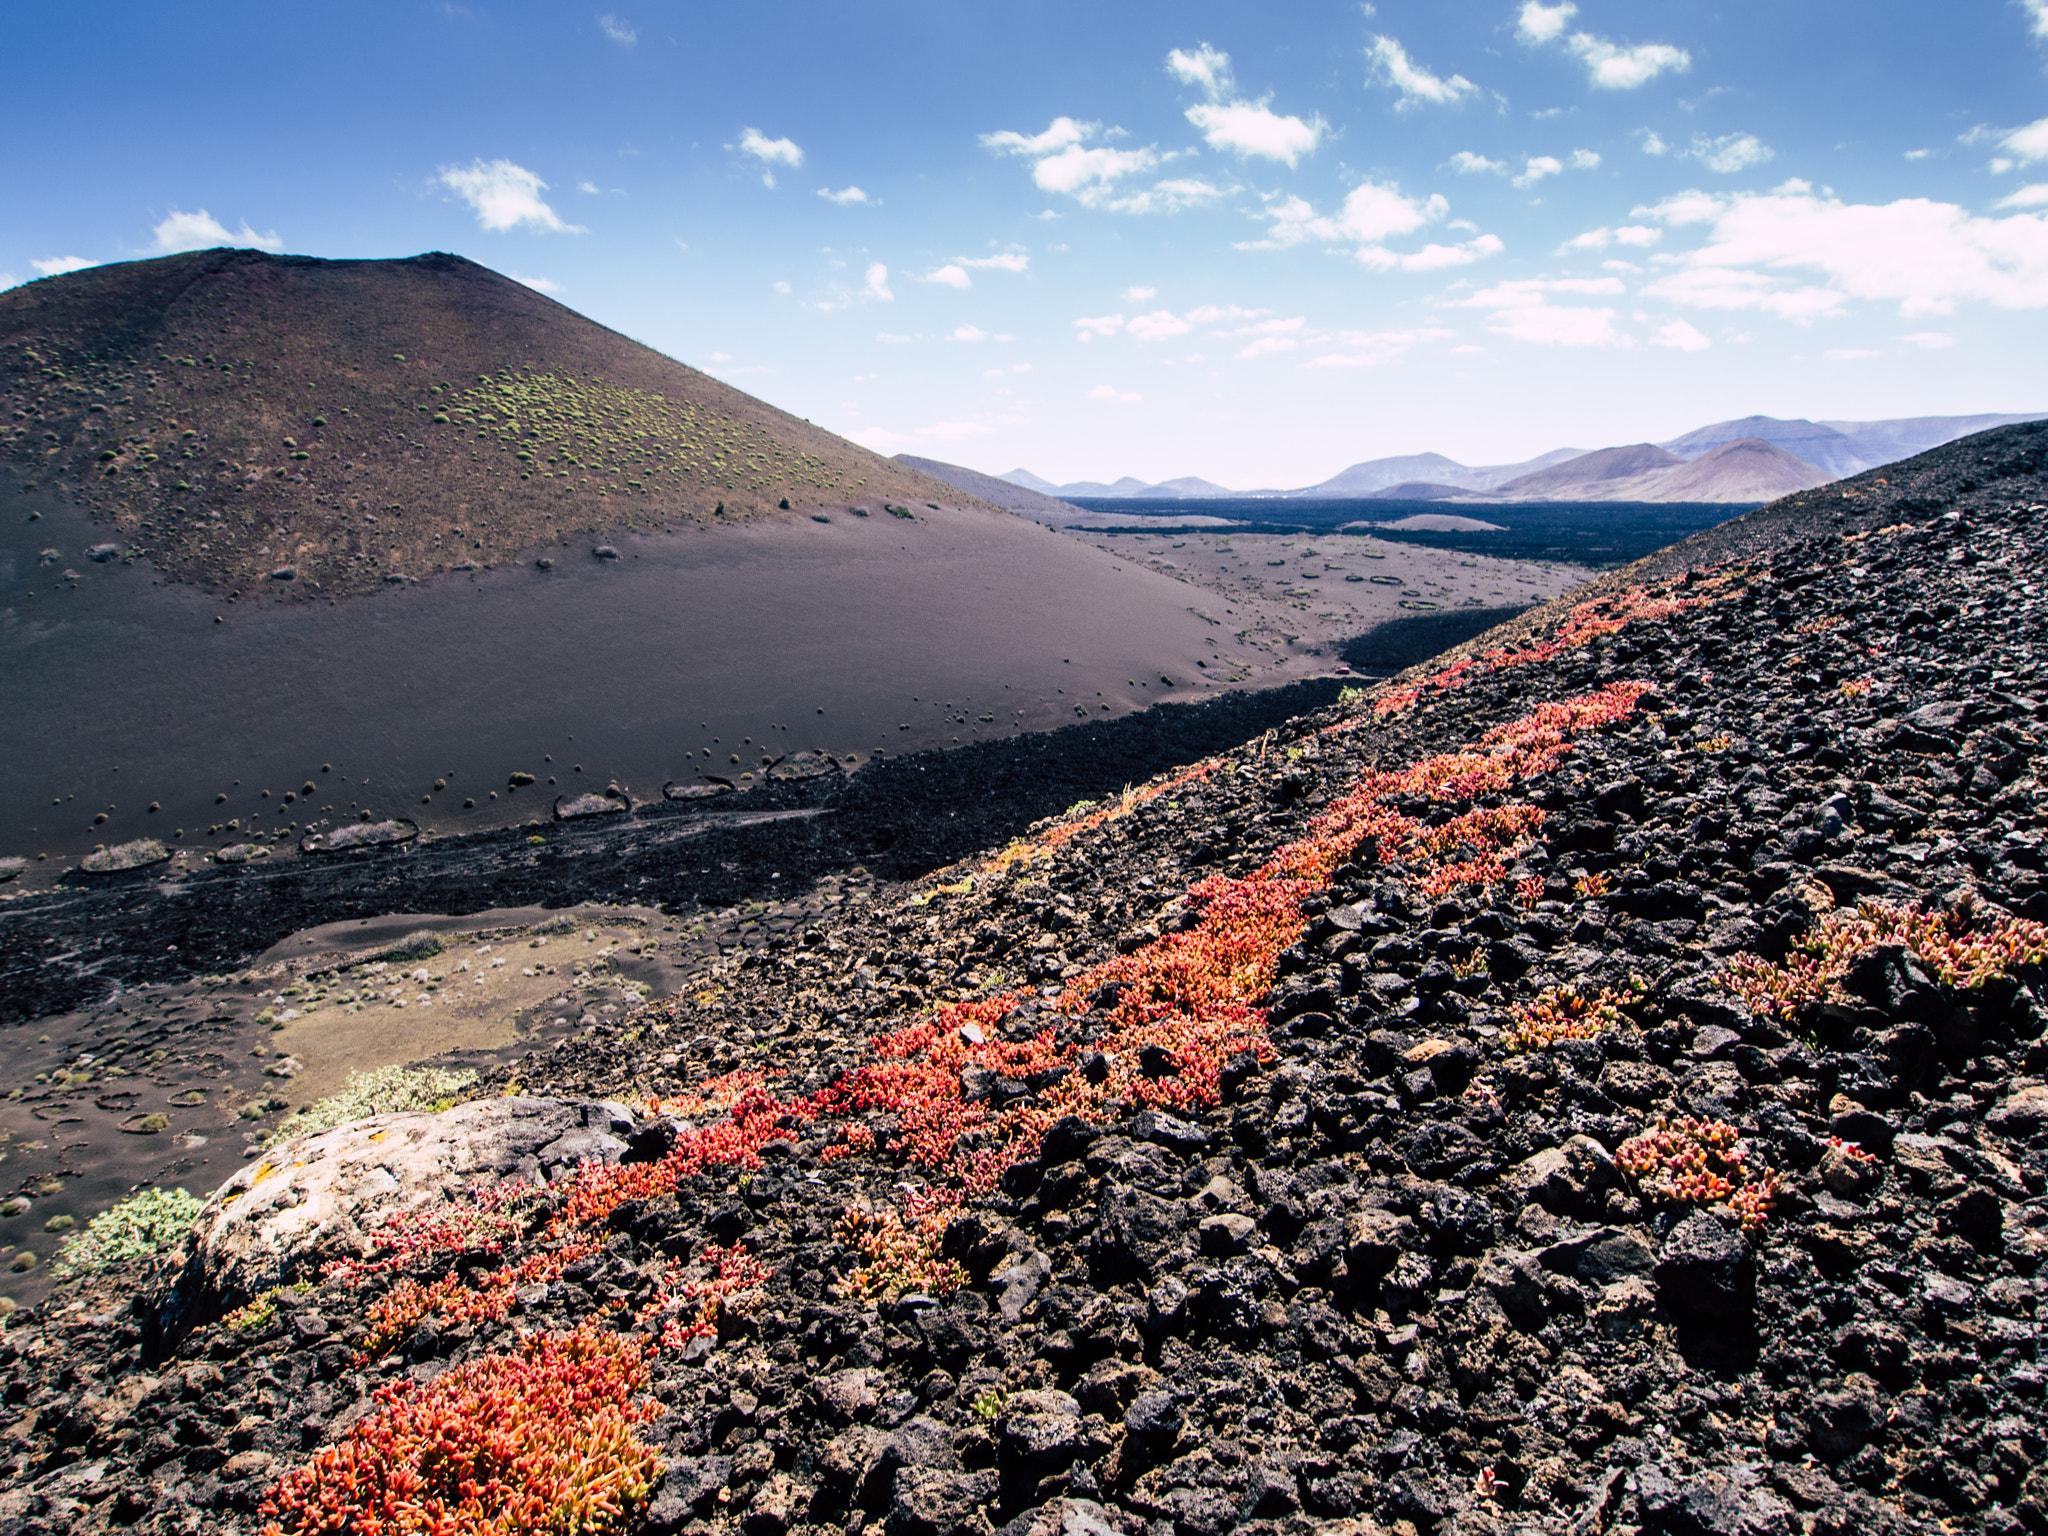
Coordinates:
(308, 1202)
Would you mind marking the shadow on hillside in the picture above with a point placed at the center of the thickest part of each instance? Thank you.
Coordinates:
(73, 945)
(1399, 644)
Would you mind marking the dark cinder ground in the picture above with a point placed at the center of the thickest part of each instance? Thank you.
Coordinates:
(1436, 1306)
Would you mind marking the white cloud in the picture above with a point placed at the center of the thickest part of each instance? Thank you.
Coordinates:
(1538, 167)
(1063, 134)
(1623, 69)
(1169, 196)
(1609, 66)
(1682, 336)
(589, 187)
(537, 284)
(1653, 143)
(1431, 258)
(770, 151)
(1368, 349)
(504, 195)
(1795, 254)
(1063, 163)
(1526, 309)
(1540, 23)
(1585, 159)
(198, 231)
(1003, 373)
(1919, 154)
(1140, 295)
(1417, 86)
(1371, 215)
(1006, 261)
(618, 29)
(1851, 354)
(782, 288)
(949, 276)
(1465, 163)
(1373, 212)
(1599, 239)
(9, 280)
(1206, 67)
(976, 333)
(2025, 145)
(53, 266)
(1157, 326)
(1110, 392)
(845, 196)
(2037, 16)
(892, 339)
(1100, 325)
(877, 284)
(1209, 314)
(1228, 122)
(1730, 153)
(2027, 197)
(1249, 128)
(1929, 341)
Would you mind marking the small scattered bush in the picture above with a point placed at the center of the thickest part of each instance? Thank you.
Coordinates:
(1565, 1013)
(386, 1091)
(1698, 1162)
(1955, 951)
(141, 1224)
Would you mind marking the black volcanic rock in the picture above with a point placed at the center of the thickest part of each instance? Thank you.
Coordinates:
(1361, 1290)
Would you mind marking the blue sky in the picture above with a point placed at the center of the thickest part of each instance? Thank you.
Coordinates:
(1250, 242)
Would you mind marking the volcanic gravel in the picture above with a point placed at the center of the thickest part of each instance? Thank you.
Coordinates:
(1397, 1279)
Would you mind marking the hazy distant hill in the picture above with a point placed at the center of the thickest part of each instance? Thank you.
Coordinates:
(316, 427)
(1746, 469)
(1834, 448)
(1835, 453)
(999, 489)
(1375, 476)
(1028, 480)
(1586, 477)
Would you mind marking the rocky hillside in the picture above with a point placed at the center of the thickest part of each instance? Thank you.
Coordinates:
(1596, 1084)
(315, 427)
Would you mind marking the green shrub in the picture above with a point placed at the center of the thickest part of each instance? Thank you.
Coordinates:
(141, 1224)
(386, 1091)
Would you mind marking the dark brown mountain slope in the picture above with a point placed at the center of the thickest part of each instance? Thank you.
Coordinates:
(234, 416)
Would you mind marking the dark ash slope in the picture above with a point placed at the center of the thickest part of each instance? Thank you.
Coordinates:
(231, 415)
(1396, 1282)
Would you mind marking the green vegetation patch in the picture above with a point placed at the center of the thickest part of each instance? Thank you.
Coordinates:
(146, 1221)
(386, 1091)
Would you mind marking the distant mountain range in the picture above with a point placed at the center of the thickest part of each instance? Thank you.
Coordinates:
(1755, 458)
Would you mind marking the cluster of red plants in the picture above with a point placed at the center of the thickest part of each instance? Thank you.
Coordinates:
(1586, 623)
(540, 1441)
(1960, 952)
(1698, 1162)
(692, 1312)
(1565, 1013)
(902, 1248)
